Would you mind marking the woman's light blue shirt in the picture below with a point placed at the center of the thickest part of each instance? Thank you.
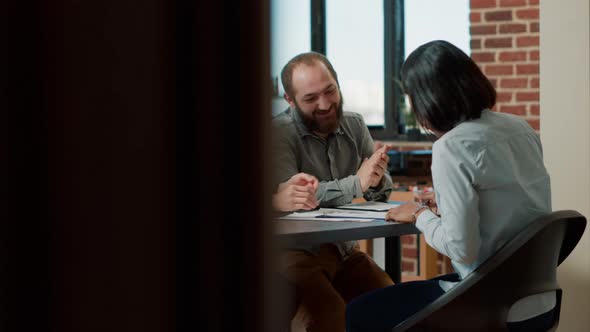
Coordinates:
(490, 182)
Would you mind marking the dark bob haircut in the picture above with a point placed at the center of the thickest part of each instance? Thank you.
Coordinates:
(445, 86)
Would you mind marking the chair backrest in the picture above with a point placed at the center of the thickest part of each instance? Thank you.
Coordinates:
(524, 266)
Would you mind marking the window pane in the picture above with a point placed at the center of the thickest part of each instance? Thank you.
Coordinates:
(354, 45)
(427, 20)
(290, 35)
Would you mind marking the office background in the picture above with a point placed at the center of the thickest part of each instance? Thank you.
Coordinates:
(120, 122)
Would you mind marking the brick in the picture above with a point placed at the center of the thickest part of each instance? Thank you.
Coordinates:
(513, 28)
(500, 15)
(483, 56)
(534, 123)
(483, 30)
(525, 41)
(513, 109)
(503, 97)
(512, 3)
(494, 82)
(534, 55)
(408, 246)
(534, 27)
(528, 14)
(527, 69)
(408, 239)
(474, 17)
(534, 83)
(498, 42)
(512, 56)
(409, 252)
(482, 4)
(496, 107)
(408, 266)
(527, 96)
(533, 2)
(513, 83)
(475, 44)
(534, 109)
(496, 70)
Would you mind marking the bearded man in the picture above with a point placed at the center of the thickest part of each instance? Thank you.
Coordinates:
(316, 137)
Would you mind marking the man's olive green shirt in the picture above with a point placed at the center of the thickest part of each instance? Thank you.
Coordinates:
(334, 160)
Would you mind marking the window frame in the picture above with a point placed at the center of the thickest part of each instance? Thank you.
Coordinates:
(394, 48)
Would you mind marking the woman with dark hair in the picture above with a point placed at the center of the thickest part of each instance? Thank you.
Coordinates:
(489, 182)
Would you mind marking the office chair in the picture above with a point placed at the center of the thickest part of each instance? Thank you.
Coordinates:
(524, 266)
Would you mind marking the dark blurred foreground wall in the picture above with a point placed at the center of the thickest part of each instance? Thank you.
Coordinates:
(128, 128)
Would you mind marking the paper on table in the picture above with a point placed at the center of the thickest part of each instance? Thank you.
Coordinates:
(325, 219)
(368, 206)
(336, 214)
(303, 215)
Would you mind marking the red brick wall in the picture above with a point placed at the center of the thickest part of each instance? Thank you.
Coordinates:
(409, 261)
(409, 255)
(505, 44)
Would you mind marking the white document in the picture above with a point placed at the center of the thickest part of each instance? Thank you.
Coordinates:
(340, 215)
(368, 206)
(326, 219)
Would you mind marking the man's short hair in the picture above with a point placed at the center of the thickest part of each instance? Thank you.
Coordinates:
(445, 86)
(310, 59)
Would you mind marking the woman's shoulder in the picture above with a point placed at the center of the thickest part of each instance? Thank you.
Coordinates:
(490, 127)
(504, 119)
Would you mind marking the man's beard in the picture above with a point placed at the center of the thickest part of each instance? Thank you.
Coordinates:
(324, 126)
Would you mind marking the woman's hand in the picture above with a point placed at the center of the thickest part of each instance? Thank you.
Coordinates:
(426, 198)
(406, 213)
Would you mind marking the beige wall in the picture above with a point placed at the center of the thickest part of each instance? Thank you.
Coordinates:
(565, 132)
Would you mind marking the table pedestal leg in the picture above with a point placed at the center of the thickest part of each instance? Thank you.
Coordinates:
(393, 258)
